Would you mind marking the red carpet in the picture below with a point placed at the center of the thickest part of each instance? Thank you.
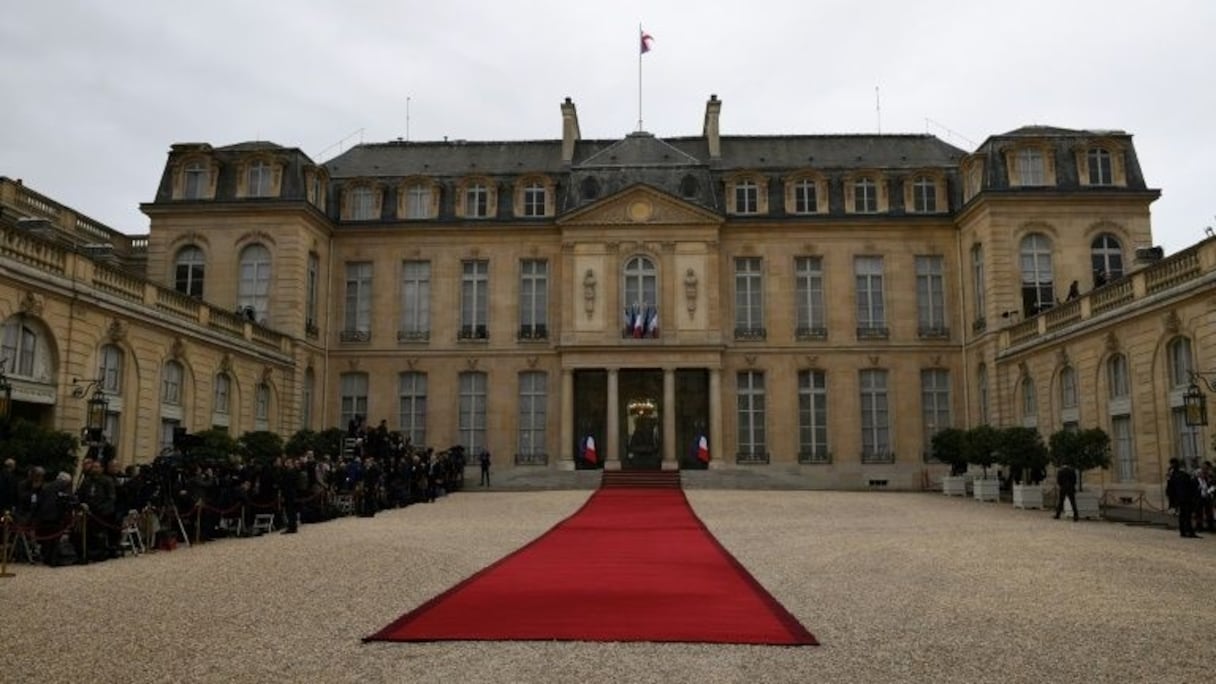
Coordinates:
(630, 565)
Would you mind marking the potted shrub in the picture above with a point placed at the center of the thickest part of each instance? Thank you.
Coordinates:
(1082, 450)
(980, 446)
(1026, 455)
(947, 447)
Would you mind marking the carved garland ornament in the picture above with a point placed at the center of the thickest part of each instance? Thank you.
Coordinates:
(589, 293)
(690, 291)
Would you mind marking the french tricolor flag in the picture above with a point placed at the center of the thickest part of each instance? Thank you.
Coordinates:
(646, 41)
(703, 449)
(589, 450)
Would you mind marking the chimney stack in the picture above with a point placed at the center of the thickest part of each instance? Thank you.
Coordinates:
(710, 131)
(570, 132)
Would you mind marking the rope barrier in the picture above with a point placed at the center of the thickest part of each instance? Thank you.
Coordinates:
(6, 521)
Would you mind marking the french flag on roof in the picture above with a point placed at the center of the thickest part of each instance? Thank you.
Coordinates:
(646, 40)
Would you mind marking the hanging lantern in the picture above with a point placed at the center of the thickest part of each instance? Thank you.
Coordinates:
(1196, 406)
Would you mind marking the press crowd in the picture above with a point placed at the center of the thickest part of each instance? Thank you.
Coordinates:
(58, 521)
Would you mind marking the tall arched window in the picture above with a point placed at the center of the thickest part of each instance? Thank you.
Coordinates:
(1069, 407)
(1038, 293)
(222, 401)
(1188, 440)
(110, 369)
(1117, 379)
(1180, 362)
(1107, 256)
(1119, 410)
(1030, 404)
(17, 346)
(261, 407)
(188, 271)
(254, 287)
(982, 387)
(310, 382)
(171, 384)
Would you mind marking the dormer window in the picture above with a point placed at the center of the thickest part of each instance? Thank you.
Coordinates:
(1031, 167)
(805, 198)
(865, 196)
(476, 201)
(1099, 165)
(534, 200)
(924, 195)
(806, 194)
(362, 204)
(418, 201)
(258, 179)
(746, 197)
(197, 181)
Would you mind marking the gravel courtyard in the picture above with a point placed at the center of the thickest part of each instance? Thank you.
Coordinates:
(897, 587)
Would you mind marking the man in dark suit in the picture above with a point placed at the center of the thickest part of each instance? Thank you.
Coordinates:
(1183, 494)
(1066, 480)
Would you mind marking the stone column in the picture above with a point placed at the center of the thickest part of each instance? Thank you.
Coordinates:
(717, 451)
(612, 447)
(565, 460)
(670, 460)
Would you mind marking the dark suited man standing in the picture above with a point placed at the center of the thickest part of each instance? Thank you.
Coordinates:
(484, 459)
(1066, 479)
(289, 487)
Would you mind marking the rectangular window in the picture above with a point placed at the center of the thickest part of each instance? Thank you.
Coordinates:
(930, 297)
(805, 199)
(752, 444)
(810, 312)
(17, 348)
(746, 197)
(924, 195)
(306, 393)
(412, 408)
(353, 388)
(534, 200)
(813, 417)
(418, 202)
(534, 299)
(1030, 167)
(171, 386)
(1120, 386)
(935, 404)
(415, 300)
(362, 204)
(871, 316)
(358, 298)
(474, 299)
(1121, 444)
(875, 418)
(167, 426)
(533, 398)
(259, 180)
(310, 292)
(472, 412)
(476, 201)
(111, 431)
(977, 277)
(197, 180)
(188, 278)
(749, 299)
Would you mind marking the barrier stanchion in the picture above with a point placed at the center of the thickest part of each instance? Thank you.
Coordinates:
(198, 523)
(84, 535)
(6, 520)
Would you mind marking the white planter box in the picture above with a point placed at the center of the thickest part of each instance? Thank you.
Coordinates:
(1028, 496)
(987, 490)
(955, 485)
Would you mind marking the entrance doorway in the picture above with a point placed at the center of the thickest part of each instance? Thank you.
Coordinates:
(641, 410)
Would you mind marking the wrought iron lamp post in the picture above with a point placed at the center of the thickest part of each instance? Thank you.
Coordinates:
(1195, 402)
(96, 408)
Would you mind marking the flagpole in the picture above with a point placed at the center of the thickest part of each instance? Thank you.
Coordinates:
(639, 78)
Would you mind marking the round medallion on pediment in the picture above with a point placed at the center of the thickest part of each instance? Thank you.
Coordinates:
(640, 211)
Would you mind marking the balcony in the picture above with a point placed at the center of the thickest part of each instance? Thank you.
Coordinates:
(473, 333)
(536, 459)
(811, 334)
(751, 334)
(877, 456)
(873, 333)
(533, 333)
(933, 333)
(752, 458)
(414, 336)
(815, 457)
(355, 336)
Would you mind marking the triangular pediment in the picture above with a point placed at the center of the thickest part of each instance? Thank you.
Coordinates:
(640, 205)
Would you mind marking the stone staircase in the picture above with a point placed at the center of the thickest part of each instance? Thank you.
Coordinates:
(641, 479)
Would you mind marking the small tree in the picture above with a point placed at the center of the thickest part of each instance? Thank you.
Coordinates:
(301, 441)
(947, 447)
(30, 444)
(260, 447)
(1081, 449)
(211, 446)
(1023, 450)
(980, 446)
(329, 442)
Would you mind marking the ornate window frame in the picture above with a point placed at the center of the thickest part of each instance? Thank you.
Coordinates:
(348, 199)
(882, 195)
(792, 184)
(405, 197)
(463, 188)
(530, 181)
(732, 185)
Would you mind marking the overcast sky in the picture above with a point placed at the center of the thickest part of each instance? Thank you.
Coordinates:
(94, 93)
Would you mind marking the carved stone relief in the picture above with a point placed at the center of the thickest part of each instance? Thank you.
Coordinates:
(589, 293)
(690, 291)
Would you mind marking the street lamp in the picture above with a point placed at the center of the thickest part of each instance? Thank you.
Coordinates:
(1195, 402)
(96, 408)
